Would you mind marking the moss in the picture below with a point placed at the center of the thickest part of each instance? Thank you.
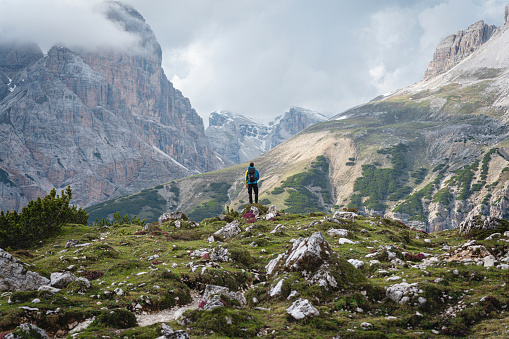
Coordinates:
(241, 256)
(222, 320)
(119, 318)
(77, 286)
(174, 293)
(234, 279)
(20, 297)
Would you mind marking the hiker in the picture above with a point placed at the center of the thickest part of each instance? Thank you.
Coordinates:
(251, 178)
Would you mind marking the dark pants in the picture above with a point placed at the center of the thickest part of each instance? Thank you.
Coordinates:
(250, 189)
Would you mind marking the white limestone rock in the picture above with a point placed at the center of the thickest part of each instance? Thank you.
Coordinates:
(15, 277)
(229, 230)
(62, 279)
(302, 308)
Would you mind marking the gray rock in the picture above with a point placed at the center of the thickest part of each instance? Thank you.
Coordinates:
(271, 212)
(213, 290)
(27, 328)
(170, 216)
(229, 230)
(168, 333)
(403, 292)
(315, 248)
(14, 277)
(356, 263)
(255, 211)
(62, 279)
(302, 308)
(344, 215)
(71, 243)
(337, 232)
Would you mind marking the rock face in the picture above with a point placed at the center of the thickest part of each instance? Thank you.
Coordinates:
(14, 277)
(456, 47)
(108, 123)
(241, 139)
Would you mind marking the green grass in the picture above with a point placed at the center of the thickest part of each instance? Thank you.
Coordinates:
(121, 254)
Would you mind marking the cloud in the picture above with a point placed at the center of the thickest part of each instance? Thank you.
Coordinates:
(260, 57)
(66, 22)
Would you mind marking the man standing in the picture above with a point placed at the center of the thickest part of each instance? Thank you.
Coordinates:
(251, 178)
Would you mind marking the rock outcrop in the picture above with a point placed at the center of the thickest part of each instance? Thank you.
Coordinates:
(106, 122)
(456, 47)
(305, 252)
(15, 277)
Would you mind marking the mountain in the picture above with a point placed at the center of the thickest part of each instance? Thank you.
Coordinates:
(431, 154)
(240, 139)
(106, 122)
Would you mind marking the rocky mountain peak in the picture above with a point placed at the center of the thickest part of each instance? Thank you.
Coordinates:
(456, 47)
(107, 122)
(506, 15)
(241, 139)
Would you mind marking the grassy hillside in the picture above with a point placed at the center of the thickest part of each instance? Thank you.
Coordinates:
(165, 268)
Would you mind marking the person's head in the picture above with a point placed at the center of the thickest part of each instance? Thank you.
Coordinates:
(251, 164)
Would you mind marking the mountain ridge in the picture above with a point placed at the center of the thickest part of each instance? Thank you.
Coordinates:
(107, 122)
(431, 154)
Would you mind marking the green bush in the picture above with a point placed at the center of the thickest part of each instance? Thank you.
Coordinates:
(39, 220)
(120, 318)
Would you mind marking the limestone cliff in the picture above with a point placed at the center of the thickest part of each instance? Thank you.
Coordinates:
(456, 47)
(106, 122)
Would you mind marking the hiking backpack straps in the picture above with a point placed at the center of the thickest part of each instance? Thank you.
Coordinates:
(251, 175)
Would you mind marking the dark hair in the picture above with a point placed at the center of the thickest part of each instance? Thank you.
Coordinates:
(251, 164)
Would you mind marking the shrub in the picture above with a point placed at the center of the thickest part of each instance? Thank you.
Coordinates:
(39, 220)
(120, 318)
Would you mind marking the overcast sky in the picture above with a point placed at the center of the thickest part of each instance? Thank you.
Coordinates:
(260, 57)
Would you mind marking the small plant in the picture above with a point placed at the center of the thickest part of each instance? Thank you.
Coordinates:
(93, 275)
(120, 318)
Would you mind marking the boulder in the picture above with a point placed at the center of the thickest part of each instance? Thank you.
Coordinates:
(71, 243)
(168, 333)
(15, 277)
(404, 292)
(229, 230)
(337, 232)
(255, 211)
(345, 215)
(169, 216)
(62, 279)
(271, 212)
(213, 290)
(356, 263)
(302, 308)
(26, 330)
(307, 253)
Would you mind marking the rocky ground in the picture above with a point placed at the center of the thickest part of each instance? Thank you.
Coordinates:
(262, 273)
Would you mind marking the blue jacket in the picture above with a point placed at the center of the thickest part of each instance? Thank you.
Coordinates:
(252, 182)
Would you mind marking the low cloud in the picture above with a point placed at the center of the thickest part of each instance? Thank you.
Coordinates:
(72, 23)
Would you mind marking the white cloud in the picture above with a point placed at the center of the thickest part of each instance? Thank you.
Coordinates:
(67, 22)
(260, 57)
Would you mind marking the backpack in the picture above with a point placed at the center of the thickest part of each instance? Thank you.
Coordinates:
(251, 175)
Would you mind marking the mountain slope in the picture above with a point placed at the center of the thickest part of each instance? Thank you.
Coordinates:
(106, 122)
(431, 154)
(241, 139)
